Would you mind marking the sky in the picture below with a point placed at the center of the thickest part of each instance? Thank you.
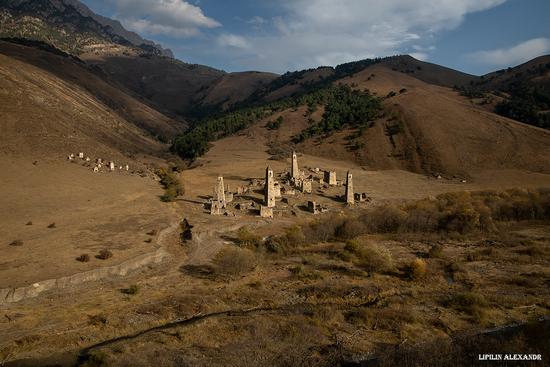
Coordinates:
(474, 36)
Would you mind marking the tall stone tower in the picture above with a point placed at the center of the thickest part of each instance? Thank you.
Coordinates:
(219, 192)
(269, 189)
(294, 171)
(349, 189)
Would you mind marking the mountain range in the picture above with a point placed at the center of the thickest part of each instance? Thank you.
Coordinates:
(75, 76)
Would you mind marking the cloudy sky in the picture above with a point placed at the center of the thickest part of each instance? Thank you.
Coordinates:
(475, 36)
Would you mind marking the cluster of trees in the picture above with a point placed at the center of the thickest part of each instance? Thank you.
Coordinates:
(275, 125)
(344, 107)
(528, 103)
(195, 142)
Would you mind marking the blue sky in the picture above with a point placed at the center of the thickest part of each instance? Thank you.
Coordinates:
(475, 36)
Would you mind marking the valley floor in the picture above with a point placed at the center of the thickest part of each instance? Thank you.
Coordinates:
(305, 307)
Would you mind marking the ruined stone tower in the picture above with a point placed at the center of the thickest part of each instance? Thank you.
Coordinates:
(294, 171)
(349, 189)
(219, 192)
(330, 178)
(269, 189)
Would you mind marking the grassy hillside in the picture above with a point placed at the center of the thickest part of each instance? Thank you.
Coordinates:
(52, 104)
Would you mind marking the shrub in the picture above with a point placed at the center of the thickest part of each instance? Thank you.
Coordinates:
(84, 258)
(295, 235)
(51, 225)
(171, 184)
(29, 223)
(352, 246)
(97, 320)
(417, 269)
(16, 243)
(301, 272)
(234, 261)
(374, 258)
(152, 232)
(97, 358)
(322, 230)
(436, 251)
(387, 219)
(247, 238)
(471, 303)
(104, 255)
(274, 125)
(131, 290)
(350, 228)
(276, 244)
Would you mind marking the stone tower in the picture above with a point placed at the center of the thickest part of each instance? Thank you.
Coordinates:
(294, 171)
(349, 189)
(219, 192)
(269, 189)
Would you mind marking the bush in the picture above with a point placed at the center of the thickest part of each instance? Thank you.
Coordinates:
(97, 320)
(104, 255)
(84, 258)
(301, 272)
(374, 258)
(295, 235)
(51, 225)
(417, 269)
(247, 238)
(172, 185)
(352, 246)
(471, 303)
(350, 228)
(436, 251)
(387, 219)
(274, 125)
(131, 290)
(322, 230)
(234, 261)
(16, 243)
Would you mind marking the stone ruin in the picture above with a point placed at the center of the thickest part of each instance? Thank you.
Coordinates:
(269, 188)
(330, 178)
(266, 212)
(287, 191)
(316, 208)
(99, 163)
(350, 198)
(294, 170)
(361, 197)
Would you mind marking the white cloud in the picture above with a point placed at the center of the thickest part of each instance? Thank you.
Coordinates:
(257, 21)
(170, 17)
(314, 32)
(514, 55)
(422, 56)
(232, 40)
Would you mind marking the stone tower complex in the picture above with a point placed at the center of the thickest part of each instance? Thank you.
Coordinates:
(349, 189)
(294, 171)
(219, 192)
(269, 189)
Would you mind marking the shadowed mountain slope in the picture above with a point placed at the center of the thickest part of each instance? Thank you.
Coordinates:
(52, 104)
